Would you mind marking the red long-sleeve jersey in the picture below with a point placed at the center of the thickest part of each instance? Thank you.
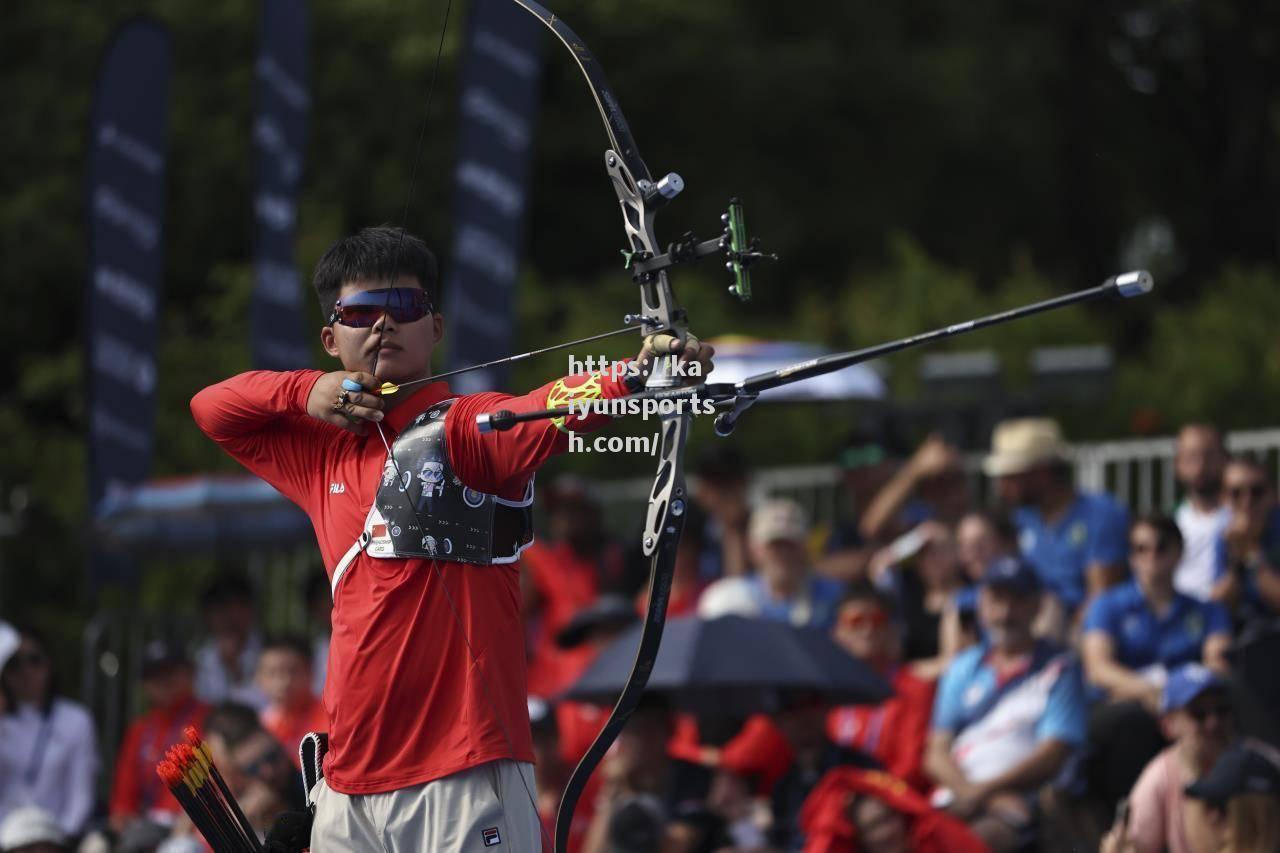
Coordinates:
(407, 700)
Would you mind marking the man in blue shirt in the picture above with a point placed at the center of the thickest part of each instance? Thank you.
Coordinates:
(784, 588)
(1009, 713)
(1247, 554)
(1135, 634)
(1076, 541)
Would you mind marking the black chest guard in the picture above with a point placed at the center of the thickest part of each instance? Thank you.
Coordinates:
(427, 512)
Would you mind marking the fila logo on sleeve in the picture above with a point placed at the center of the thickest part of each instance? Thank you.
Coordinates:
(491, 836)
(337, 488)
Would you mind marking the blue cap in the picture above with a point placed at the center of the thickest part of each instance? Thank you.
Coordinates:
(1012, 573)
(1186, 683)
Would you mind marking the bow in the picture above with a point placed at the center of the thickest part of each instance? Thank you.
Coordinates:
(640, 197)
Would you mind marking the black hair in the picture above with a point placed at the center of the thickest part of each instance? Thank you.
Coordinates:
(29, 632)
(380, 253)
(865, 592)
(1253, 463)
(233, 722)
(1167, 532)
(228, 588)
(295, 643)
(1006, 531)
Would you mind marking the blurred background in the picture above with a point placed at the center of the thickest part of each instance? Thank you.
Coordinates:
(912, 164)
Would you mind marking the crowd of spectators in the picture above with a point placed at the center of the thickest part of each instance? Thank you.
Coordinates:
(1064, 677)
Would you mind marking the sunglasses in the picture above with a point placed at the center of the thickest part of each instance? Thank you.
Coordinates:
(365, 308)
(1222, 711)
(1256, 491)
(864, 619)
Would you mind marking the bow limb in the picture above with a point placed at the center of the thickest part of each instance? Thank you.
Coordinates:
(660, 312)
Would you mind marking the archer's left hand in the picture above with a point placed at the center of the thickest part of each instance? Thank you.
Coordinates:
(693, 350)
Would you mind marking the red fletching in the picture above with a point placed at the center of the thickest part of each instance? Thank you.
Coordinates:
(169, 772)
(192, 736)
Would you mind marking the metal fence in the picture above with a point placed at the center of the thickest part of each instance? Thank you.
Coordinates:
(1138, 472)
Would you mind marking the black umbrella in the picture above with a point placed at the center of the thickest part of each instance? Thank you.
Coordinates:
(735, 665)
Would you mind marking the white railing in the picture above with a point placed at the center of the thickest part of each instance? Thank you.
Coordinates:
(1138, 472)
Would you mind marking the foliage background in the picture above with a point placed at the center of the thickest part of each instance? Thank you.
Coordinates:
(913, 163)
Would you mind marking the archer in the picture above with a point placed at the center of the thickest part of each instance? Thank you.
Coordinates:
(420, 521)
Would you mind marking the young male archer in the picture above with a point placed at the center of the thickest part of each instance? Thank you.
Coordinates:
(425, 692)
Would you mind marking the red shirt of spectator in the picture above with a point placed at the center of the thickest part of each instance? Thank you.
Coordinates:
(564, 582)
(759, 751)
(136, 790)
(291, 725)
(893, 732)
(423, 681)
(845, 796)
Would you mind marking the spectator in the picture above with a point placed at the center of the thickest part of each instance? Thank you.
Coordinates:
(893, 732)
(285, 678)
(731, 798)
(562, 576)
(803, 721)
(930, 485)
(1076, 541)
(1196, 715)
(720, 491)
(228, 661)
(253, 763)
(1247, 554)
(1134, 636)
(785, 587)
(48, 749)
(590, 631)
(30, 829)
(137, 792)
(640, 788)
(1008, 715)
(866, 811)
(320, 614)
(553, 772)
(1245, 782)
(867, 464)
(922, 572)
(981, 537)
(1198, 463)
(9, 642)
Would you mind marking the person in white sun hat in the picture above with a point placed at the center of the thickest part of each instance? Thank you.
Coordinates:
(1077, 542)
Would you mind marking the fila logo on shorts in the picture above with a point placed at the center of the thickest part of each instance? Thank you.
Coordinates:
(491, 836)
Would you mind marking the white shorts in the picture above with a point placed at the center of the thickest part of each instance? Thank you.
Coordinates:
(487, 808)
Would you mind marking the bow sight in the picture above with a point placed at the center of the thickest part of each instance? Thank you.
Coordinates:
(739, 251)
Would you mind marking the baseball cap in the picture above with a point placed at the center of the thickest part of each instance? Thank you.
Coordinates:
(1012, 573)
(161, 655)
(1186, 683)
(29, 825)
(1242, 769)
(9, 642)
(778, 519)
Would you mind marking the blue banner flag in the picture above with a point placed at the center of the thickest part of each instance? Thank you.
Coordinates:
(281, 104)
(501, 71)
(125, 194)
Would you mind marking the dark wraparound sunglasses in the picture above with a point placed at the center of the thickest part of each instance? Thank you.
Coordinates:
(1257, 491)
(365, 308)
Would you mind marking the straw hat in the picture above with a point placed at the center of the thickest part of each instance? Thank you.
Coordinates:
(1023, 444)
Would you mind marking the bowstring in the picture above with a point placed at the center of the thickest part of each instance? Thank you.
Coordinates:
(435, 565)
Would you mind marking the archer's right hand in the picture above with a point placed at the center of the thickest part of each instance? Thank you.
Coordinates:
(351, 410)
